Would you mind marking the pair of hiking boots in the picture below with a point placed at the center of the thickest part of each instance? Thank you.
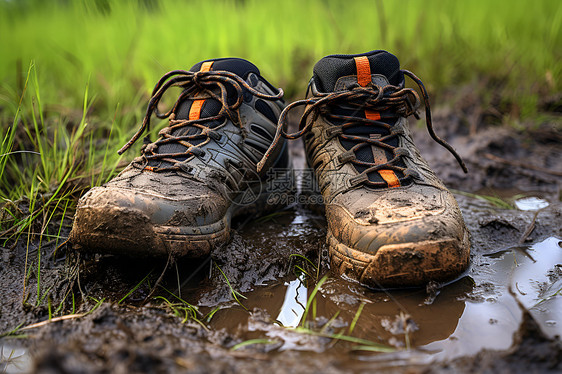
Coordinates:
(391, 221)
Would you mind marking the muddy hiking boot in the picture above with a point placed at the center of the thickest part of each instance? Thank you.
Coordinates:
(179, 197)
(391, 221)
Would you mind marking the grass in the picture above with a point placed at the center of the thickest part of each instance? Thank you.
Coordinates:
(235, 294)
(303, 266)
(444, 41)
(134, 288)
(547, 297)
(311, 302)
(184, 310)
(326, 330)
(496, 201)
(181, 309)
(252, 342)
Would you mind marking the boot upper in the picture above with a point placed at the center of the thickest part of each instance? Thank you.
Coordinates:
(206, 157)
(377, 188)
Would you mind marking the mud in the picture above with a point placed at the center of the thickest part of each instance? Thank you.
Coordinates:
(503, 315)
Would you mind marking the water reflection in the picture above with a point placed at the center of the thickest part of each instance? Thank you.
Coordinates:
(14, 360)
(294, 303)
(492, 317)
(531, 203)
(538, 284)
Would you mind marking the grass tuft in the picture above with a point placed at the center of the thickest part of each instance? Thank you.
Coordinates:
(235, 294)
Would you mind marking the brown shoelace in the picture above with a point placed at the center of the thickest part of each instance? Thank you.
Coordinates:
(193, 83)
(393, 99)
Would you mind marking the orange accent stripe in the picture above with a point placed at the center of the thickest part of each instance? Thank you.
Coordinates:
(195, 110)
(388, 175)
(373, 115)
(206, 66)
(390, 178)
(363, 70)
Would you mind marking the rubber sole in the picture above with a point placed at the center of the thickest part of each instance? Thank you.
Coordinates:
(402, 265)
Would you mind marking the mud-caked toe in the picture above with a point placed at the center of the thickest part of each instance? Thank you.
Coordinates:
(146, 223)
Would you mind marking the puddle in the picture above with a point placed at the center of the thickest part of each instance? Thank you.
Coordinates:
(537, 283)
(477, 312)
(345, 325)
(531, 203)
(492, 318)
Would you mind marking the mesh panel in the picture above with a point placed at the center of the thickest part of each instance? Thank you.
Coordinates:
(266, 110)
(329, 69)
(210, 108)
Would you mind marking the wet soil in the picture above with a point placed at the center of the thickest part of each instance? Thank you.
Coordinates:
(503, 315)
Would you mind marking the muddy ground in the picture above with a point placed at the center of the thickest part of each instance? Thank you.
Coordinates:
(503, 315)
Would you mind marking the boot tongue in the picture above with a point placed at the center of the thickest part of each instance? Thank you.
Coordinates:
(199, 108)
(331, 68)
(340, 72)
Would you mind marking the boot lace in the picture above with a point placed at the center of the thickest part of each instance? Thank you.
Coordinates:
(212, 83)
(389, 101)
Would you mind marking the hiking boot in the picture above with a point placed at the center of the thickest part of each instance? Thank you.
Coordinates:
(391, 221)
(179, 197)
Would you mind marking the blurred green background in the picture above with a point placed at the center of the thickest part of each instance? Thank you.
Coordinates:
(123, 47)
(75, 75)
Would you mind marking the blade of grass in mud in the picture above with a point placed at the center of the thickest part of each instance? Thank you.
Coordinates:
(179, 310)
(20, 327)
(63, 216)
(61, 304)
(73, 304)
(252, 342)
(134, 288)
(180, 299)
(97, 305)
(355, 318)
(494, 200)
(311, 298)
(12, 332)
(363, 342)
(328, 324)
(235, 294)
(183, 310)
(304, 258)
(316, 267)
(546, 298)
(46, 220)
(209, 316)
